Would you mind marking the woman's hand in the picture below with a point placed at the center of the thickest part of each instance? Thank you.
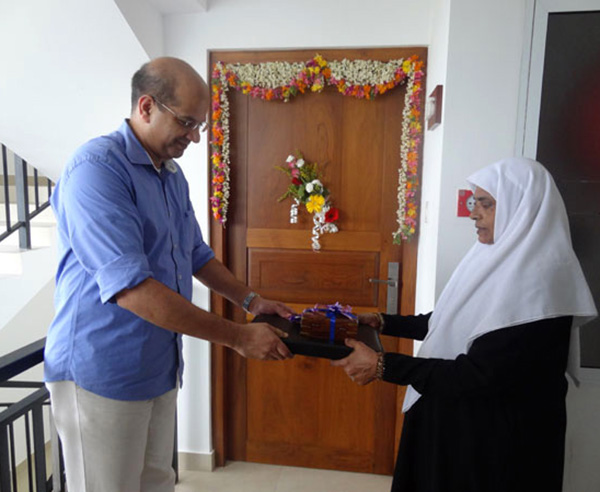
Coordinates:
(361, 364)
(371, 319)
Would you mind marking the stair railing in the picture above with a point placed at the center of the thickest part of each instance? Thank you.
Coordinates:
(21, 187)
(28, 412)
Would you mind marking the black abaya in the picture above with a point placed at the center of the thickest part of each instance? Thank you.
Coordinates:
(491, 420)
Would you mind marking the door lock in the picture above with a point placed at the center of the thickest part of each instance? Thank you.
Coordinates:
(392, 283)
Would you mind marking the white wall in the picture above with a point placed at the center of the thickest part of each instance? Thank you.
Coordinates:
(66, 67)
(437, 62)
(146, 23)
(242, 24)
(482, 92)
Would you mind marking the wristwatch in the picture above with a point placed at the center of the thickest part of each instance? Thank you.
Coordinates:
(248, 300)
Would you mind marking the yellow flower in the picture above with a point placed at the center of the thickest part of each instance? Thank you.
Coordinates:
(315, 203)
(319, 59)
(406, 66)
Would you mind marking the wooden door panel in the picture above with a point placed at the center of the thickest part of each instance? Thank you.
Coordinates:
(297, 276)
(303, 412)
(334, 422)
(300, 239)
(335, 131)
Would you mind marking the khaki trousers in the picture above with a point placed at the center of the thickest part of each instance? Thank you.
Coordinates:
(113, 445)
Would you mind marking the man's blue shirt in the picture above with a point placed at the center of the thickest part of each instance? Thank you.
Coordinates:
(120, 221)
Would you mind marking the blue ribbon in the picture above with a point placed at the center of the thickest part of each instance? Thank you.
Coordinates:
(331, 316)
(330, 310)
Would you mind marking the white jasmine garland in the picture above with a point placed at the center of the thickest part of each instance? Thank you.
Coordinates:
(269, 75)
(404, 148)
(364, 72)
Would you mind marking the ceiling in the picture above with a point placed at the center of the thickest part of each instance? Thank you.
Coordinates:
(179, 6)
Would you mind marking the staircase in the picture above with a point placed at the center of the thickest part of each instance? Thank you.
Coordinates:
(27, 237)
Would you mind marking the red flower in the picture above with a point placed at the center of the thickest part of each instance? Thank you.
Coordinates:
(296, 181)
(332, 215)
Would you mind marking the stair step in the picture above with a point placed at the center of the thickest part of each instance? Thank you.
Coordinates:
(11, 264)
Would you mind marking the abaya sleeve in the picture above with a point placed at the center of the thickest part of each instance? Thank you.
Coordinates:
(508, 359)
(413, 327)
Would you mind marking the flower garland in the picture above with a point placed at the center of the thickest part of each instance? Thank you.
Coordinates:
(281, 81)
(306, 187)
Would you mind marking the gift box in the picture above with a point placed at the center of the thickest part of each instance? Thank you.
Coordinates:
(313, 347)
(329, 322)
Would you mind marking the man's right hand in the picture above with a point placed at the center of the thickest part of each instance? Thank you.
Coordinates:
(261, 341)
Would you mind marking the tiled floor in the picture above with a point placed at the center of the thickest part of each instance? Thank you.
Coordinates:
(252, 477)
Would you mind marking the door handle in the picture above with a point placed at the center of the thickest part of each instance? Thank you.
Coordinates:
(392, 283)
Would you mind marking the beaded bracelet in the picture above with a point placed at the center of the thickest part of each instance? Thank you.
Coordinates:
(380, 366)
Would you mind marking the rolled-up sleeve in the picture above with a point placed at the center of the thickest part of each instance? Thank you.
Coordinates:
(104, 226)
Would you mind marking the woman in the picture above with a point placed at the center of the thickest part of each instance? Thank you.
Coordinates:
(485, 407)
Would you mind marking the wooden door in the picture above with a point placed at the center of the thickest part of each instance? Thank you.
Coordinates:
(303, 412)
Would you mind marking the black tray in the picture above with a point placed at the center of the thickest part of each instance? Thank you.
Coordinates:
(302, 345)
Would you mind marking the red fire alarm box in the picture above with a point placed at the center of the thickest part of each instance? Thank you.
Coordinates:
(466, 203)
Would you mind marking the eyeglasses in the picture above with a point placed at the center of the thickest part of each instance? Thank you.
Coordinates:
(186, 123)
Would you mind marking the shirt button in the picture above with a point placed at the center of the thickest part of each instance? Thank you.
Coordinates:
(179, 277)
(175, 245)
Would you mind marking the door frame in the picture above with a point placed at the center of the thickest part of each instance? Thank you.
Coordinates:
(530, 94)
(220, 355)
(532, 66)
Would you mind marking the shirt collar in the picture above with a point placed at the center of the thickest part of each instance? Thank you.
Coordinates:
(136, 153)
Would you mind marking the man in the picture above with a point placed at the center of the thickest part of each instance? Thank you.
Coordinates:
(129, 245)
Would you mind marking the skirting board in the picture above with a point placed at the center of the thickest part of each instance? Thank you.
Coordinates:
(197, 461)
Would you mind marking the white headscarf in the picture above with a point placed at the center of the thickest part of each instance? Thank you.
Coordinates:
(529, 273)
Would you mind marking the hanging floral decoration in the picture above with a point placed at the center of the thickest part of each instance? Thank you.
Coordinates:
(280, 81)
(307, 188)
